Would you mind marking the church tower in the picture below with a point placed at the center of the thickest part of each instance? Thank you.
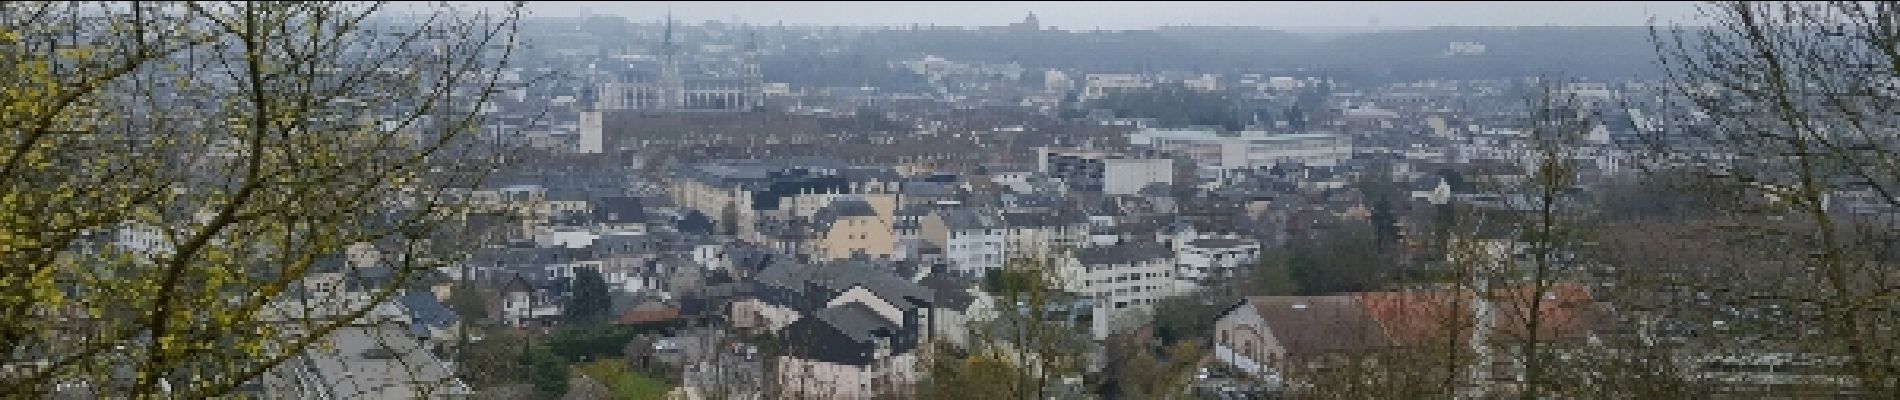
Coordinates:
(754, 82)
(672, 86)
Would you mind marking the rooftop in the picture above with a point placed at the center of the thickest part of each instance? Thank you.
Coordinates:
(378, 362)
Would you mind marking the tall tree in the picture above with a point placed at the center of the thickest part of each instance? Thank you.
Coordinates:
(1791, 120)
(1029, 345)
(588, 302)
(1547, 224)
(238, 148)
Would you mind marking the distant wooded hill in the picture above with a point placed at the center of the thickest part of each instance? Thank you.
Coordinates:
(1576, 52)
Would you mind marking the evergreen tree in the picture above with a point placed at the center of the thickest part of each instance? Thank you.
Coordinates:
(589, 304)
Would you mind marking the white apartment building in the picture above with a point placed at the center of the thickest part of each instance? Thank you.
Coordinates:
(1107, 172)
(1095, 86)
(1037, 235)
(1214, 258)
(1249, 149)
(1124, 281)
(592, 133)
(1127, 176)
(973, 243)
(1205, 83)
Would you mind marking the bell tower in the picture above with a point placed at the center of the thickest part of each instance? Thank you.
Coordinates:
(672, 87)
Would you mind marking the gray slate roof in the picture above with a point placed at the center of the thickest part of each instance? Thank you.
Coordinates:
(838, 277)
(1216, 243)
(967, 219)
(851, 208)
(855, 320)
(1029, 220)
(1124, 253)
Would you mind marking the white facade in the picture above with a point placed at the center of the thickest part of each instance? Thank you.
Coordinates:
(1214, 258)
(1096, 86)
(1242, 340)
(1250, 149)
(1017, 181)
(142, 238)
(1127, 176)
(1465, 49)
(973, 243)
(1057, 81)
(517, 307)
(975, 251)
(1044, 241)
(801, 378)
(1124, 294)
(712, 257)
(573, 239)
(1205, 83)
(591, 140)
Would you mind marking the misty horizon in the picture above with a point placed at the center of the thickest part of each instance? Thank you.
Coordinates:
(1075, 16)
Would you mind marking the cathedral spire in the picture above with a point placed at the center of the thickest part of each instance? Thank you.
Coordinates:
(672, 87)
(667, 45)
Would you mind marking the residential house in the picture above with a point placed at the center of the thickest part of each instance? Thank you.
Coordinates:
(852, 328)
(1264, 335)
(523, 304)
(429, 319)
(972, 241)
(1270, 336)
(848, 228)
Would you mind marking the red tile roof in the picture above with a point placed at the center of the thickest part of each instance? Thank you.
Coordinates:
(1421, 317)
(1567, 313)
(648, 315)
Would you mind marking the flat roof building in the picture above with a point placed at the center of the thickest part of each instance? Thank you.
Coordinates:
(1247, 149)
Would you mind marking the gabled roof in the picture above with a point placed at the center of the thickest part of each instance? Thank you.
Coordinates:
(856, 321)
(848, 208)
(1421, 317)
(517, 284)
(835, 278)
(1567, 312)
(1310, 325)
(426, 310)
(967, 219)
(950, 292)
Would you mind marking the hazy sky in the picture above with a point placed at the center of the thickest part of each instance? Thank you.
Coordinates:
(1140, 15)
